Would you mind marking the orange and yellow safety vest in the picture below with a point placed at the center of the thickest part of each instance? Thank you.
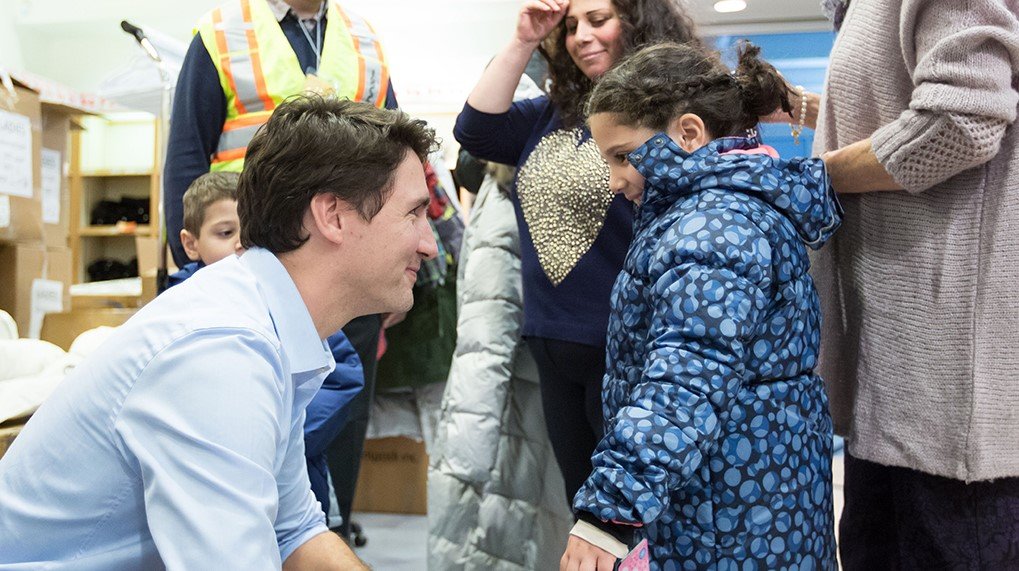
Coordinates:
(258, 68)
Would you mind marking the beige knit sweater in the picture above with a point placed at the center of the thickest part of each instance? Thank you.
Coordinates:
(920, 289)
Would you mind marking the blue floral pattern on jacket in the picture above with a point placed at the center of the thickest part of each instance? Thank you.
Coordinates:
(718, 437)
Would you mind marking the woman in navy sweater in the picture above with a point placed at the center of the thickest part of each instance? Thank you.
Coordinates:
(573, 232)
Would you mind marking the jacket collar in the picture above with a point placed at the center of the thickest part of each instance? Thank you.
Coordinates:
(798, 188)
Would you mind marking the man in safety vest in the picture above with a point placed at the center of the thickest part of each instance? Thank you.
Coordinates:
(248, 56)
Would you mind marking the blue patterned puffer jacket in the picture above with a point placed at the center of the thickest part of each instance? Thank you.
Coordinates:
(718, 438)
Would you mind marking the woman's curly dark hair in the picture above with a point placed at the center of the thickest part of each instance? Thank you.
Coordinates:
(643, 22)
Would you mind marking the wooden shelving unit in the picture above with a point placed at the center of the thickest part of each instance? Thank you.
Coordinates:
(113, 157)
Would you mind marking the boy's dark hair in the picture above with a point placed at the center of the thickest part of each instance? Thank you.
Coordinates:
(643, 22)
(312, 145)
(663, 81)
(204, 191)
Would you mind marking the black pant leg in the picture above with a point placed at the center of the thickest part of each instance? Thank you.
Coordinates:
(867, 529)
(948, 524)
(344, 454)
(567, 372)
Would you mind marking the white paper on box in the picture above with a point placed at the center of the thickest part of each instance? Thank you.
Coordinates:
(15, 154)
(51, 186)
(5, 211)
(47, 297)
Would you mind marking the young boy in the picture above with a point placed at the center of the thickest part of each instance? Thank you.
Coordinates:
(212, 232)
(211, 226)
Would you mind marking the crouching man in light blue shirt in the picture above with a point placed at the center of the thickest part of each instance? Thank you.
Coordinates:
(178, 444)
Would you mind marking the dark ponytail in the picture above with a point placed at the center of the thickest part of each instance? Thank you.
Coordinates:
(764, 90)
(661, 82)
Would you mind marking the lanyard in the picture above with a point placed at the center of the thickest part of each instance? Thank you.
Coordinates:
(316, 44)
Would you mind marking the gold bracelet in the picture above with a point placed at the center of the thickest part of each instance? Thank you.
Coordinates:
(798, 128)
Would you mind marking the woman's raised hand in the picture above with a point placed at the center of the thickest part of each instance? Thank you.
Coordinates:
(538, 18)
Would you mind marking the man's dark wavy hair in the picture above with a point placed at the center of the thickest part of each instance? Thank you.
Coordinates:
(312, 145)
(644, 22)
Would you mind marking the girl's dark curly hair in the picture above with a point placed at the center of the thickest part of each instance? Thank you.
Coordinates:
(643, 22)
(661, 82)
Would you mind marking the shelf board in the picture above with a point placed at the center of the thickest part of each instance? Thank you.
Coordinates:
(115, 173)
(116, 230)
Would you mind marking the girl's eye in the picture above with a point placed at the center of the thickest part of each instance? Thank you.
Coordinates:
(620, 158)
(571, 28)
(599, 22)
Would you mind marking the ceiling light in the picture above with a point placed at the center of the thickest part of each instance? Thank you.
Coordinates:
(726, 6)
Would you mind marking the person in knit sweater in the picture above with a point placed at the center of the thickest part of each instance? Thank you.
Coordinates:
(920, 346)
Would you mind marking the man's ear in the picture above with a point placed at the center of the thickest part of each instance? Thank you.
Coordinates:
(331, 216)
(689, 132)
(189, 241)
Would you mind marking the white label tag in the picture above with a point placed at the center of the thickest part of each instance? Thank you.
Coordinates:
(5, 211)
(51, 186)
(15, 154)
(47, 297)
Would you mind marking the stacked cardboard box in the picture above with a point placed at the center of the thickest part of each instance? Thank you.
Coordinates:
(393, 477)
(35, 257)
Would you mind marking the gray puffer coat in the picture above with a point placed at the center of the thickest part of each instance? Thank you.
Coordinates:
(495, 495)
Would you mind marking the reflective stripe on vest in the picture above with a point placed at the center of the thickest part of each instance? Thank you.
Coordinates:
(258, 68)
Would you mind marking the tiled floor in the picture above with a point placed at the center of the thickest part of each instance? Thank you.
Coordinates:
(395, 542)
(399, 542)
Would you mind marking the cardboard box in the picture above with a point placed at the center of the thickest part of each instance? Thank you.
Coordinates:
(62, 329)
(20, 216)
(393, 477)
(55, 185)
(8, 432)
(20, 266)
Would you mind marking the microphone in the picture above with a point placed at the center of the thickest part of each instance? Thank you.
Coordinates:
(139, 36)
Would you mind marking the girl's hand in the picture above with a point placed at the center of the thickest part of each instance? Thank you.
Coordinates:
(582, 556)
(538, 18)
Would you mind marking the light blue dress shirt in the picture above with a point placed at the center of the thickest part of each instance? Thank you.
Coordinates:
(179, 443)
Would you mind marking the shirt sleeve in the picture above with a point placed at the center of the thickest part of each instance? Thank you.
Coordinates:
(964, 58)
(499, 137)
(707, 303)
(300, 515)
(202, 427)
(196, 122)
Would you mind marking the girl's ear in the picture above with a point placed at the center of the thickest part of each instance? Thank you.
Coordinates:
(689, 132)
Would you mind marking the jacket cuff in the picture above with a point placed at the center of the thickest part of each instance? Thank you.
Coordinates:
(620, 532)
(600, 539)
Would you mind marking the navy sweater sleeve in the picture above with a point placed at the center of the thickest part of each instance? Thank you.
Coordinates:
(199, 110)
(499, 137)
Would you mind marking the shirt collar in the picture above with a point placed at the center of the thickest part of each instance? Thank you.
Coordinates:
(280, 9)
(308, 355)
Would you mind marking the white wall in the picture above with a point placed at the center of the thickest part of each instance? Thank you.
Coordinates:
(436, 48)
(10, 47)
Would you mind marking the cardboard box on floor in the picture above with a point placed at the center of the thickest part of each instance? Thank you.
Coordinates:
(21, 266)
(393, 478)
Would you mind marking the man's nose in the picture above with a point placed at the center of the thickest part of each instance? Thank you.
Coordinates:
(427, 247)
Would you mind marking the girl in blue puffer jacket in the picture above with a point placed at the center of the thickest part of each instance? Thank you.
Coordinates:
(718, 438)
